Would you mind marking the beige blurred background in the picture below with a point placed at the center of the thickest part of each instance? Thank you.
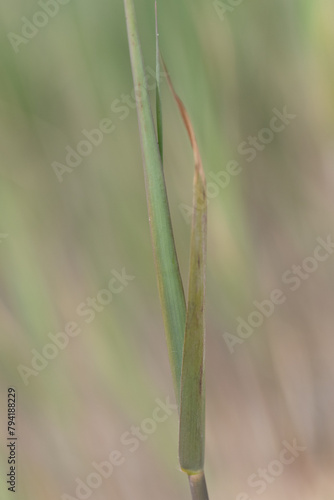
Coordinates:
(66, 227)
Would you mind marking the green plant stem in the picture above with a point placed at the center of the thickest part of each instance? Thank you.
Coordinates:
(198, 487)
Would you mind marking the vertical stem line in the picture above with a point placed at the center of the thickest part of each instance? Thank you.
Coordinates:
(198, 487)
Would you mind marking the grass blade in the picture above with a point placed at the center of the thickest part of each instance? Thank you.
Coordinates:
(185, 331)
(167, 268)
(158, 91)
(192, 410)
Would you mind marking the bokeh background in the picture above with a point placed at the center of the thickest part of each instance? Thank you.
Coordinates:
(232, 65)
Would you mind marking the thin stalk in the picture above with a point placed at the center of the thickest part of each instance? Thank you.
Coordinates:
(198, 487)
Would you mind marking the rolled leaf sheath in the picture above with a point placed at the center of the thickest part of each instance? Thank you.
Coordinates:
(167, 268)
(192, 407)
(192, 414)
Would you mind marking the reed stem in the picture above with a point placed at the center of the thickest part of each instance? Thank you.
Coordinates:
(198, 487)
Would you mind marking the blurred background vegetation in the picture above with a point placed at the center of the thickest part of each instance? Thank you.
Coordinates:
(61, 240)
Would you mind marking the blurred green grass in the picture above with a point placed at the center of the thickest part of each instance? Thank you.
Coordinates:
(65, 238)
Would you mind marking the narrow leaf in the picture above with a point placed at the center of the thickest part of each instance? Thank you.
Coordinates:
(167, 268)
(158, 92)
(192, 411)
